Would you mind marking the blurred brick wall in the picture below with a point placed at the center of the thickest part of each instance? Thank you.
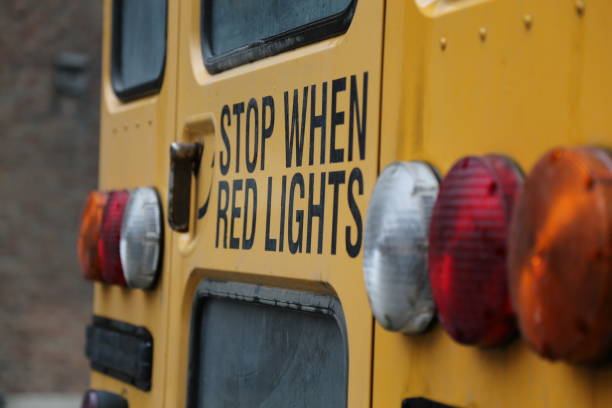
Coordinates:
(48, 162)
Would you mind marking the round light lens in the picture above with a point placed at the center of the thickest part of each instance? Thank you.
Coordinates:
(395, 247)
(467, 249)
(103, 399)
(141, 238)
(108, 244)
(89, 233)
(560, 260)
(90, 400)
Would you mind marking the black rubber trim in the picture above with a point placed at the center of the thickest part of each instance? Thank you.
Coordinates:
(423, 403)
(120, 350)
(319, 30)
(124, 93)
(277, 297)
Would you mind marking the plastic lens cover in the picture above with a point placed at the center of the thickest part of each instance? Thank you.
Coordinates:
(89, 233)
(103, 399)
(90, 400)
(560, 264)
(467, 245)
(141, 238)
(395, 247)
(108, 244)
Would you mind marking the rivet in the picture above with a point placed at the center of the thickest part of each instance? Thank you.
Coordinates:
(528, 21)
(580, 7)
(443, 43)
(483, 34)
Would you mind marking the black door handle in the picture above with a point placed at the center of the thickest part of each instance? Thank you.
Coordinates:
(184, 165)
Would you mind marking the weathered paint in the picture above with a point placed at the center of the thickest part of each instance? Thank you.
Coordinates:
(446, 78)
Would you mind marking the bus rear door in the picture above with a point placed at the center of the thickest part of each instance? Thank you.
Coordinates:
(266, 276)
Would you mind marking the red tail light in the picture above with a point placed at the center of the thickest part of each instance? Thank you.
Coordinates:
(467, 249)
(110, 234)
(103, 399)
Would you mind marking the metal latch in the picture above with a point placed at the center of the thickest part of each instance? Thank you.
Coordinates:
(184, 165)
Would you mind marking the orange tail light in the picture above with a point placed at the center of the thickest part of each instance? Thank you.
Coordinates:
(560, 264)
(89, 233)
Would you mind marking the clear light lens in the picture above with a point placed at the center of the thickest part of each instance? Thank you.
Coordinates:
(141, 238)
(395, 247)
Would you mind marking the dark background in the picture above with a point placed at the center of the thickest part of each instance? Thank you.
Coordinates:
(49, 121)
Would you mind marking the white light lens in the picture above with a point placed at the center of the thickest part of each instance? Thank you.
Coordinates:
(141, 238)
(395, 247)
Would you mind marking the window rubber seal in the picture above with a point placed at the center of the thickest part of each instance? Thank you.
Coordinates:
(127, 94)
(322, 29)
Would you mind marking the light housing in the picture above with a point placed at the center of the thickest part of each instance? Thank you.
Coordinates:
(108, 244)
(395, 246)
(467, 249)
(102, 399)
(141, 238)
(89, 233)
(560, 262)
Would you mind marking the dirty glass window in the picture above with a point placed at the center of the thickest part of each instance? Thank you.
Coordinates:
(253, 29)
(139, 46)
(254, 355)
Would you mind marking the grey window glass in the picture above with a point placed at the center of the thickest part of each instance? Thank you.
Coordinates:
(254, 355)
(236, 23)
(139, 46)
(253, 29)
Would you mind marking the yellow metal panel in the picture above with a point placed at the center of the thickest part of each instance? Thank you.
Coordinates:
(500, 76)
(201, 98)
(134, 150)
(459, 77)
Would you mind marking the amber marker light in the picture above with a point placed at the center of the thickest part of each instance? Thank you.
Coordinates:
(560, 264)
(467, 249)
(89, 233)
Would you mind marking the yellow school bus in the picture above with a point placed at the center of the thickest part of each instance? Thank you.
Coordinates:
(244, 253)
